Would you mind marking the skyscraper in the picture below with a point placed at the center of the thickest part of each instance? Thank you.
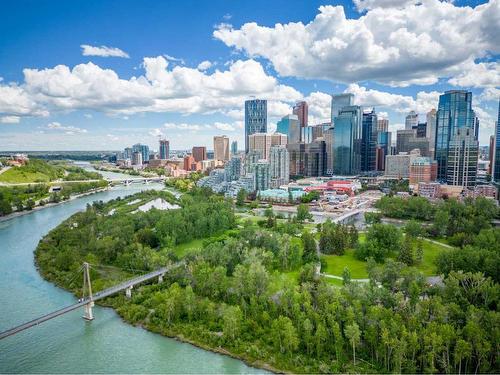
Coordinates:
(144, 150)
(279, 166)
(431, 130)
(496, 154)
(164, 149)
(382, 125)
(290, 126)
(221, 148)
(369, 142)
(261, 175)
(199, 153)
(347, 141)
(383, 149)
(234, 147)
(411, 120)
(255, 118)
(456, 149)
(340, 101)
(232, 170)
(301, 111)
(262, 142)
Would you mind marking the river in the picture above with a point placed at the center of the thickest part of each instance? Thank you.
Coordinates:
(68, 344)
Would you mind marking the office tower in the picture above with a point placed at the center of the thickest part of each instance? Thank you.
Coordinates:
(290, 126)
(369, 142)
(199, 153)
(144, 150)
(300, 109)
(296, 152)
(456, 149)
(398, 166)
(136, 158)
(127, 153)
(347, 141)
(189, 163)
(255, 118)
(491, 154)
(411, 120)
(251, 158)
(279, 166)
(262, 142)
(315, 158)
(406, 140)
(306, 134)
(496, 153)
(164, 149)
(421, 130)
(328, 138)
(319, 130)
(340, 101)
(261, 175)
(234, 147)
(232, 169)
(431, 130)
(221, 148)
(382, 125)
(383, 149)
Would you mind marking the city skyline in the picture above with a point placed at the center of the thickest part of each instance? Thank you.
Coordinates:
(103, 85)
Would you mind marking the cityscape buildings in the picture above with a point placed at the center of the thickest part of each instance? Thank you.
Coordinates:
(255, 118)
(301, 110)
(199, 153)
(369, 141)
(340, 101)
(347, 138)
(164, 149)
(496, 154)
(411, 120)
(221, 148)
(290, 126)
(279, 164)
(234, 147)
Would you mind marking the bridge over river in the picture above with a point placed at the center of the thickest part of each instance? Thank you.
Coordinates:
(88, 302)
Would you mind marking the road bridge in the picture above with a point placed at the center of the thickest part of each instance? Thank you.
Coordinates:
(88, 302)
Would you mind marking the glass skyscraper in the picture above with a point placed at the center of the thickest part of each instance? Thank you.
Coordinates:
(340, 101)
(456, 139)
(143, 149)
(255, 118)
(347, 141)
(289, 125)
(164, 149)
(369, 142)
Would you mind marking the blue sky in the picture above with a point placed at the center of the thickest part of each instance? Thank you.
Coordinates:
(105, 74)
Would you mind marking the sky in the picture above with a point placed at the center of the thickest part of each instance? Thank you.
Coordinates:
(103, 75)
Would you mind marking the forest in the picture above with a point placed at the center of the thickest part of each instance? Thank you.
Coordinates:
(253, 289)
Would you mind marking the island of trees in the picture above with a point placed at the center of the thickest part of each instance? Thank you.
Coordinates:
(256, 288)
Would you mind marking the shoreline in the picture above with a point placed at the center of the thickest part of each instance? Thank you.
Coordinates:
(52, 204)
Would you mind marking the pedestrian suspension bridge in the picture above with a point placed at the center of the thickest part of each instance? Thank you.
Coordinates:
(88, 299)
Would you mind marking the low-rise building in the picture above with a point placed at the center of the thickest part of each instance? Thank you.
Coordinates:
(430, 190)
(423, 169)
(398, 166)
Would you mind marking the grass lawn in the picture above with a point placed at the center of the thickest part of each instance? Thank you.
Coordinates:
(336, 263)
(18, 175)
(184, 248)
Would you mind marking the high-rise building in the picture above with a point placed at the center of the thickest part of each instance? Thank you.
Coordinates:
(328, 137)
(234, 147)
(382, 125)
(164, 149)
(369, 142)
(290, 126)
(306, 134)
(315, 158)
(422, 169)
(300, 109)
(496, 153)
(199, 153)
(255, 118)
(279, 166)
(251, 158)
(297, 153)
(221, 148)
(144, 150)
(431, 130)
(189, 163)
(127, 153)
(347, 141)
(262, 142)
(398, 166)
(232, 169)
(411, 120)
(456, 148)
(383, 148)
(406, 140)
(421, 130)
(491, 154)
(136, 158)
(261, 175)
(340, 101)
(320, 130)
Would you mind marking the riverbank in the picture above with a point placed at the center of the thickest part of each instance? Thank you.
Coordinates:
(50, 204)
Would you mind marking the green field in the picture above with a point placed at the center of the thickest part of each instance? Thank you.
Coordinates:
(18, 175)
(336, 263)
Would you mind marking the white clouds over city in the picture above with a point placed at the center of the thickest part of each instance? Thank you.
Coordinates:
(103, 51)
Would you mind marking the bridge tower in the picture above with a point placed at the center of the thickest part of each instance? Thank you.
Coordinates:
(87, 286)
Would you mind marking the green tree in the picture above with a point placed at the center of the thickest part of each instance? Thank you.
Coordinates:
(310, 253)
(346, 276)
(353, 334)
(413, 229)
(232, 319)
(240, 197)
(303, 213)
(284, 335)
(406, 252)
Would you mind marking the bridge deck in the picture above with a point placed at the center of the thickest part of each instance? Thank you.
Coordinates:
(96, 297)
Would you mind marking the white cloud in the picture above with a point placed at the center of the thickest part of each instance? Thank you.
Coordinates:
(224, 126)
(174, 59)
(70, 130)
(204, 65)
(182, 126)
(103, 51)
(490, 94)
(412, 44)
(10, 119)
(15, 101)
(362, 5)
(478, 75)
